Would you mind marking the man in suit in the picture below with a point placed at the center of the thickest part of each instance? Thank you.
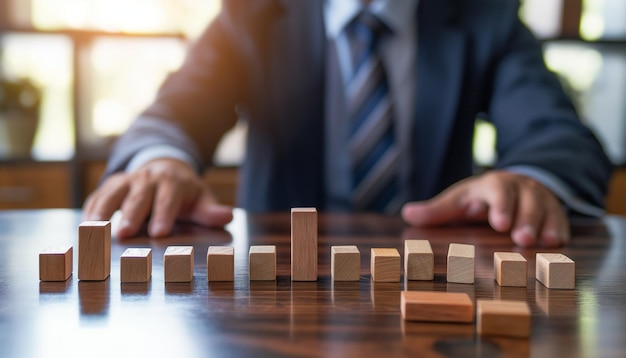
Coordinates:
(431, 66)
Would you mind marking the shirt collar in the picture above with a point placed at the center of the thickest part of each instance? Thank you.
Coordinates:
(397, 14)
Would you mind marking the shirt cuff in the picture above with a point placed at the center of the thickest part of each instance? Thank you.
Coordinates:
(155, 152)
(559, 188)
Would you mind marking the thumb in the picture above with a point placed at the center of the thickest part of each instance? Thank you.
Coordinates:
(207, 212)
(442, 209)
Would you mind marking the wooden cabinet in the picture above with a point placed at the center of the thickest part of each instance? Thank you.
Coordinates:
(35, 185)
(616, 200)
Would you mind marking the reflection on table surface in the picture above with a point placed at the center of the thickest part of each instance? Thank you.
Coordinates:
(284, 318)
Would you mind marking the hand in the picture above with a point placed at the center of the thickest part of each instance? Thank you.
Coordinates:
(508, 201)
(168, 189)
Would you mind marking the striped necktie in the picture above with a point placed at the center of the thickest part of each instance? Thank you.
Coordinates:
(373, 151)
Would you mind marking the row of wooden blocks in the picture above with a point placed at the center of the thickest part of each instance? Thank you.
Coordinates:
(554, 270)
(493, 317)
(94, 262)
(510, 269)
(55, 264)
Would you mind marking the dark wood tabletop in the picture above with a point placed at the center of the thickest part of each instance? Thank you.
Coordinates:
(284, 318)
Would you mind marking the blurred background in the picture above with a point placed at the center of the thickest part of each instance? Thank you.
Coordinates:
(75, 73)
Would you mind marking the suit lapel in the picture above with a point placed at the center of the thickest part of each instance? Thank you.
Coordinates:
(440, 70)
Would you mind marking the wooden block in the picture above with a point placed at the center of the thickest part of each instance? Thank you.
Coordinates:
(419, 260)
(94, 250)
(510, 269)
(503, 318)
(385, 265)
(555, 271)
(178, 264)
(345, 263)
(460, 263)
(56, 263)
(304, 244)
(220, 263)
(136, 265)
(262, 259)
(436, 306)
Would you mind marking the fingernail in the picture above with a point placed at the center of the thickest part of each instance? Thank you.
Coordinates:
(524, 236)
(475, 209)
(158, 229)
(552, 238)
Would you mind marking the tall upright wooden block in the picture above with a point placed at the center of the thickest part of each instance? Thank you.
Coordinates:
(385, 265)
(136, 265)
(436, 306)
(460, 263)
(510, 269)
(178, 264)
(262, 263)
(304, 244)
(220, 263)
(345, 263)
(55, 263)
(419, 260)
(503, 318)
(94, 250)
(555, 271)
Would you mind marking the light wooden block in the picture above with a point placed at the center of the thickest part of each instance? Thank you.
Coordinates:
(56, 263)
(262, 263)
(460, 263)
(510, 269)
(136, 265)
(385, 265)
(304, 244)
(503, 318)
(436, 306)
(178, 264)
(94, 250)
(345, 263)
(220, 263)
(419, 260)
(555, 271)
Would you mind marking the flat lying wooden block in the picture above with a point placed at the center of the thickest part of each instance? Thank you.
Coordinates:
(345, 263)
(419, 260)
(94, 250)
(56, 263)
(136, 265)
(304, 244)
(510, 269)
(436, 306)
(556, 271)
(262, 259)
(220, 263)
(178, 264)
(460, 263)
(503, 318)
(385, 265)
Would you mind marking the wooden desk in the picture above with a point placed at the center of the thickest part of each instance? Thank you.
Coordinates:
(282, 318)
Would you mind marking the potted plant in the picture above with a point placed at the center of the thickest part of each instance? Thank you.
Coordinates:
(19, 116)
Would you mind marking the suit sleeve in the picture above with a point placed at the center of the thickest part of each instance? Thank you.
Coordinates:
(195, 105)
(536, 122)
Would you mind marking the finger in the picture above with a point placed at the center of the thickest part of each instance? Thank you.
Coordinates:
(137, 205)
(529, 216)
(500, 195)
(106, 200)
(555, 230)
(446, 207)
(208, 212)
(167, 205)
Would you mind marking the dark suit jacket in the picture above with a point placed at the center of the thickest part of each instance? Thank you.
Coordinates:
(267, 57)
